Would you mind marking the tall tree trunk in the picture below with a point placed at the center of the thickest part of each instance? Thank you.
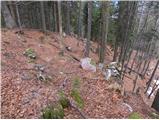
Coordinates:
(60, 28)
(12, 10)
(153, 73)
(87, 47)
(155, 103)
(135, 81)
(9, 21)
(80, 19)
(68, 25)
(18, 18)
(55, 17)
(43, 17)
(105, 21)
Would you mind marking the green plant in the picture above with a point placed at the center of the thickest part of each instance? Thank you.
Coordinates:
(77, 97)
(134, 115)
(30, 53)
(76, 82)
(63, 100)
(53, 112)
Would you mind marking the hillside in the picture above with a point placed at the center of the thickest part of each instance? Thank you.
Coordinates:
(23, 96)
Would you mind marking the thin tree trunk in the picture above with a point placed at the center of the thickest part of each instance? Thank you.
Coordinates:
(60, 28)
(68, 18)
(80, 21)
(43, 17)
(87, 47)
(153, 73)
(55, 17)
(105, 21)
(18, 18)
(135, 81)
(155, 103)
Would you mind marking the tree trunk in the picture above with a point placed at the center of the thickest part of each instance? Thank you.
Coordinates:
(105, 21)
(153, 73)
(87, 47)
(135, 81)
(60, 28)
(12, 10)
(9, 21)
(68, 25)
(43, 17)
(80, 20)
(55, 17)
(18, 18)
(155, 103)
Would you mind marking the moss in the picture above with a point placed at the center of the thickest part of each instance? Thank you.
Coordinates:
(53, 112)
(93, 62)
(134, 115)
(76, 96)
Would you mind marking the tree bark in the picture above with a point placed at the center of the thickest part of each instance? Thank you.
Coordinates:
(43, 17)
(153, 73)
(9, 21)
(87, 47)
(68, 25)
(18, 18)
(105, 21)
(60, 28)
(55, 17)
(155, 103)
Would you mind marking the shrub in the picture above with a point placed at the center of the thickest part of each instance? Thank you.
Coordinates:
(77, 97)
(134, 115)
(63, 100)
(30, 53)
(53, 112)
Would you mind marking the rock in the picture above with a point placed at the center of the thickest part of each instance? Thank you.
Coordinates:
(86, 64)
(100, 66)
(26, 76)
(128, 106)
(107, 74)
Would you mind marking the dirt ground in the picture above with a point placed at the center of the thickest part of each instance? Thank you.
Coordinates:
(23, 96)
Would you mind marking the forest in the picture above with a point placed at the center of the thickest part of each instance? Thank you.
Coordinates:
(80, 59)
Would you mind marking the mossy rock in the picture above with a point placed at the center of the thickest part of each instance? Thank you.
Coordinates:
(53, 112)
(134, 115)
(93, 62)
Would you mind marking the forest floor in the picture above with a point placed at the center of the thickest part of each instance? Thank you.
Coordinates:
(23, 96)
